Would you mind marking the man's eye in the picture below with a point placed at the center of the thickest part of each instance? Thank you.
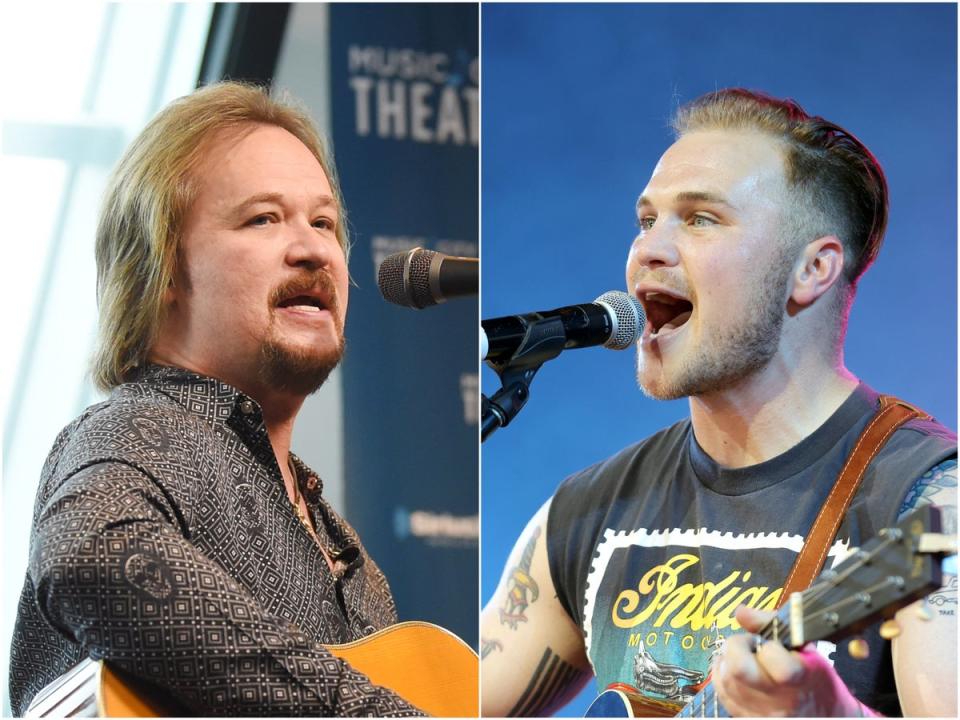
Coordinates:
(645, 223)
(702, 221)
(260, 220)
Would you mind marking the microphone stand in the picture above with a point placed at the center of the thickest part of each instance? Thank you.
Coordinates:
(543, 339)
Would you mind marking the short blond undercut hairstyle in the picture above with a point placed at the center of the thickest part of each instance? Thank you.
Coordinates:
(838, 186)
(146, 200)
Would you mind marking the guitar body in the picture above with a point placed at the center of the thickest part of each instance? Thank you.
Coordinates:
(424, 664)
(122, 695)
(620, 700)
(641, 706)
(610, 704)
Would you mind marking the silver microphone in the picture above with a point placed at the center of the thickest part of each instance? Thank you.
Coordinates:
(419, 278)
(614, 320)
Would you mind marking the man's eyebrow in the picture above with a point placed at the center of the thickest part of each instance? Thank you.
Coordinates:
(691, 196)
(273, 197)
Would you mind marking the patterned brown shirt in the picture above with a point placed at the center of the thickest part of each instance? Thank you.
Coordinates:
(164, 541)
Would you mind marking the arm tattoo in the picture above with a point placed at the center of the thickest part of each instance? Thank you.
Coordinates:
(935, 481)
(547, 687)
(945, 599)
(521, 588)
(931, 488)
(488, 646)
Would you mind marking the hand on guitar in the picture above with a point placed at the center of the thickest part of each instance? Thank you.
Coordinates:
(771, 681)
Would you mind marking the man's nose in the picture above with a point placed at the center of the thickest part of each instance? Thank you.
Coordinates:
(655, 247)
(310, 247)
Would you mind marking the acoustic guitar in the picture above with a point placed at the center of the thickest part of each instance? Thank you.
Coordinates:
(426, 665)
(899, 566)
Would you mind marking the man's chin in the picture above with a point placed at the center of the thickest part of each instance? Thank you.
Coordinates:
(659, 389)
(654, 380)
(659, 381)
(298, 371)
(703, 379)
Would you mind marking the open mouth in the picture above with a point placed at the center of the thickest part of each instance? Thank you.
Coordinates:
(665, 312)
(305, 303)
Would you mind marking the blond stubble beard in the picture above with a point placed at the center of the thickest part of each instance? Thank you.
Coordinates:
(727, 357)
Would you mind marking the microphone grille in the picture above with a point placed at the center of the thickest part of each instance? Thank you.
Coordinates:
(418, 281)
(629, 316)
(404, 278)
(390, 279)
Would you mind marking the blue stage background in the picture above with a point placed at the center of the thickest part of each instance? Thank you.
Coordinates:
(576, 108)
(404, 86)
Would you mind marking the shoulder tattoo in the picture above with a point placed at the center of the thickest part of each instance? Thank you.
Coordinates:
(934, 488)
(938, 486)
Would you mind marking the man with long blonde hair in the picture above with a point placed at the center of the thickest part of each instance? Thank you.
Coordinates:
(175, 534)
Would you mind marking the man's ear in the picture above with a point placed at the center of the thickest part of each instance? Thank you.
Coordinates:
(173, 291)
(819, 268)
(178, 285)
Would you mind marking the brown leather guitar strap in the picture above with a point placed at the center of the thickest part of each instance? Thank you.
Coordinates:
(891, 414)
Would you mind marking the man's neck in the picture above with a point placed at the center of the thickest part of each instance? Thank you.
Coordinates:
(279, 419)
(766, 414)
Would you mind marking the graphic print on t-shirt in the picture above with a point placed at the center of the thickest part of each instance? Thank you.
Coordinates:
(659, 604)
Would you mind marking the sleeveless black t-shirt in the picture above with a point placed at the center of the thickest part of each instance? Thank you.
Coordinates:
(652, 550)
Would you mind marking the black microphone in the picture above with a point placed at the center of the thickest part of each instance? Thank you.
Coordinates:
(418, 278)
(614, 320)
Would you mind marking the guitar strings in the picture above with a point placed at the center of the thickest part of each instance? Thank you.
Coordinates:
(816, 592)
(781, 627)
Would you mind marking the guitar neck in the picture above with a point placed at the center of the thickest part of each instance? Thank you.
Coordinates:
(889, 572)
(899, 566)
